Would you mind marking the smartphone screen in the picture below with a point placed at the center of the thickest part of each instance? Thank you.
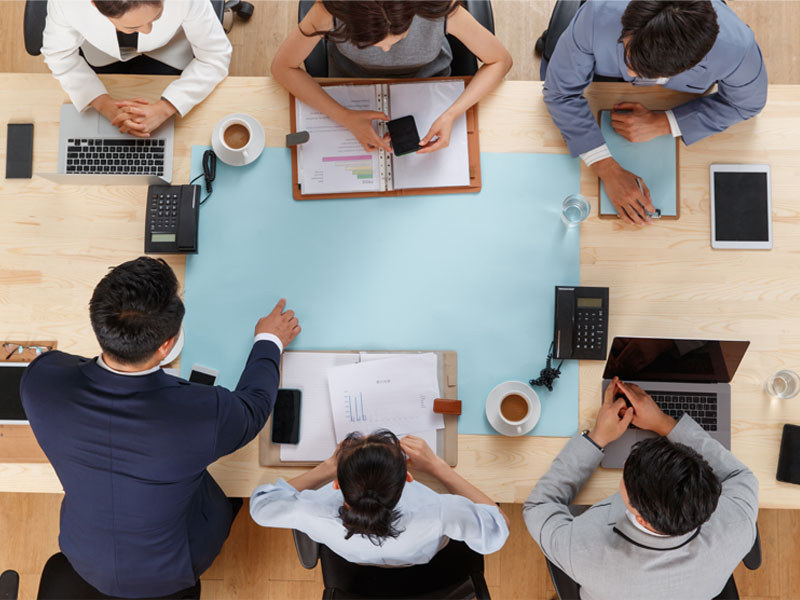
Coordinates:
(19, 151)
(286, 417)
(204, 378)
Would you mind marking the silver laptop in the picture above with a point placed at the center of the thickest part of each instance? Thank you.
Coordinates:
(682, 376)
(91, 151)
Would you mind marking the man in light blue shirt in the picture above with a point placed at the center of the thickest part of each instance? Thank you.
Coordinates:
(374, 512)
(686, 45)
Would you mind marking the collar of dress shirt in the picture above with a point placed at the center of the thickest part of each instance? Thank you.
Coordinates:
(640, 527)
(103, 364)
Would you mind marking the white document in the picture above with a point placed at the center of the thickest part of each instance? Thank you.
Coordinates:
(395, 394)
(308, 372)
(426, 102)
(333, 160)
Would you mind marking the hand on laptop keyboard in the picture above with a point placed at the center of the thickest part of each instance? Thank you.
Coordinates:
(647, 414)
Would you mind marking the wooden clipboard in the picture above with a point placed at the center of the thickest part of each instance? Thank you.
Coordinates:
(473, 149)
(677, 214)
(17, 442)
(269, 454)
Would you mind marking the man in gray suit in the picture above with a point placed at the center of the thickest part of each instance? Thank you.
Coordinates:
(686, 45)
(684, 517)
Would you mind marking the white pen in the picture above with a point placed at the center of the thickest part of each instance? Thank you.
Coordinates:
(652, 215)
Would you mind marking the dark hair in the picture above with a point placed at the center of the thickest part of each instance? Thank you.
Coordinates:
(372, 474)
(364, 23)
(671, 485)
(117, 8)
(135, 308)
(667, 37)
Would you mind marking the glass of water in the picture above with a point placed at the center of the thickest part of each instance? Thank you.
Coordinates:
(574, 209)
(784, 384)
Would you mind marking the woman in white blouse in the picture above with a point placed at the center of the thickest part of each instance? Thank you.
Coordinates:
(183, 34)
(374, 512)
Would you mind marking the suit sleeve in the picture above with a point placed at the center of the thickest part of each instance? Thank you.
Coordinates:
(241, 414)
(570, 71)
(546, 511)
(739, 484)
(212, 56)
(60, 45)
(739, 96)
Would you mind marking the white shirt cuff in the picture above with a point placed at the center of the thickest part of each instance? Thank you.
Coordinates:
(592, 156)
(269, 337)
(673, 124)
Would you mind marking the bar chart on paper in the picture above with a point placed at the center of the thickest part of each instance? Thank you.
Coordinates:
(359, 165)
(355, 408)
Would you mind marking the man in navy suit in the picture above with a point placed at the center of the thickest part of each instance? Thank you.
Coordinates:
(141, 515)
(686, 45)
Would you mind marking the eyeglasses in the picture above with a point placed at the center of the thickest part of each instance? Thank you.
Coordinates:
(20, 349)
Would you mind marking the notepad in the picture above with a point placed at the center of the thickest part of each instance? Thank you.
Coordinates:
(655, 161)
(333, 160)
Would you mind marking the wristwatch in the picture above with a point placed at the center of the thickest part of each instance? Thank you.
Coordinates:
(585, 433)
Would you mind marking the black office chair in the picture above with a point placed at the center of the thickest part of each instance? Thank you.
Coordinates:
(568, 589)
(463, 64)
(9, 585)
(36, 16)
(455, 573)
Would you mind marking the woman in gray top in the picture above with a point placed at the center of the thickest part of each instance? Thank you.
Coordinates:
(389, 38)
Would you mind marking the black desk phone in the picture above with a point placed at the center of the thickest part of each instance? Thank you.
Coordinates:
(172, 217)
(581, 322)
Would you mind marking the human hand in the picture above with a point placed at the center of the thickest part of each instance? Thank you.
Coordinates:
(613, 418)
(622, 187)
(359, 122)
(647, 414)
(142, 118)
(284, 325)
(107, 106)
(420, 456)
(441, 130)
(640, 124)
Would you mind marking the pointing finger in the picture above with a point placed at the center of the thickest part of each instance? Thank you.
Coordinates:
(279, 307)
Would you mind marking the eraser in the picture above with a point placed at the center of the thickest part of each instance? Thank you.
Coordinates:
(300, 137)
(447, 407)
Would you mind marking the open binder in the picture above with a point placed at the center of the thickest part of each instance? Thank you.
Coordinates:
(334, 165)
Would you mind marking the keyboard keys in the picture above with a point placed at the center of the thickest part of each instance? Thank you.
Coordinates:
(122, 157)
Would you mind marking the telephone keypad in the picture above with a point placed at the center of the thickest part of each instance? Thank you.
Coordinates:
(163, 208)
(589, 332)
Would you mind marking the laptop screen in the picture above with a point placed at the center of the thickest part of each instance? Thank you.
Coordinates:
(687, 361)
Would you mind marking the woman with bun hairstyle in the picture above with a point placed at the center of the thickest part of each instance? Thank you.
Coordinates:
(389, 38)
(370, 510)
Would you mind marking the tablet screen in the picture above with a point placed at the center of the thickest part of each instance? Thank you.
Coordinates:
(10, 401)
(741, 207)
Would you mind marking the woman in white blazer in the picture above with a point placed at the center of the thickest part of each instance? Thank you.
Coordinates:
(183, 34)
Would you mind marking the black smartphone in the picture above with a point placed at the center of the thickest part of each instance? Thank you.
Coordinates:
(204, 375)
(404, 135)
(19, 151)
(286, 417)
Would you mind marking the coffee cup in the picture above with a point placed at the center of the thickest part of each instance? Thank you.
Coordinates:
(515, 407)
(238, 139)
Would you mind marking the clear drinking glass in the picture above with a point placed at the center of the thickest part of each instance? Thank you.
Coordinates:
(574, 209)
(784, 384)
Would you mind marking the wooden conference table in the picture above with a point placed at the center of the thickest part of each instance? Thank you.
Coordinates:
(57, 242)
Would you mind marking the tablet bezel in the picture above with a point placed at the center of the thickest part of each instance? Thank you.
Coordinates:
(13, 364)
(739, 244)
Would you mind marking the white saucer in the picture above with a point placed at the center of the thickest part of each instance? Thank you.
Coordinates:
(236, 159)
(176, 349)
(493, 408)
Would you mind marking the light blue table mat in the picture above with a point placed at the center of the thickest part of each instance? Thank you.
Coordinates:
(474, 273)
(654, 161)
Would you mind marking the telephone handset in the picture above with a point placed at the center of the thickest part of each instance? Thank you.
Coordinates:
(581, 323)
(173, 213)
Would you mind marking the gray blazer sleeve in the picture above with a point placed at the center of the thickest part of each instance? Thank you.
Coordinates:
(739, 96)
(546, 510)
(739, 484)
(570, 71)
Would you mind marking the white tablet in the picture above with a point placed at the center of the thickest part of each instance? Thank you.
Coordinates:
(741, 207)
(11, 411)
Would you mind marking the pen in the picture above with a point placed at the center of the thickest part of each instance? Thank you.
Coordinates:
(652, 215)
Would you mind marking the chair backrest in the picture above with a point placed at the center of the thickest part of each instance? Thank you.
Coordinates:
(463, 64)
(456, 572)
(9, 585)
(563, 11)
(36, 16)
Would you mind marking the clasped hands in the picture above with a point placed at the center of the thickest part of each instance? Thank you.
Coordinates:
(615, 415)
(137, 117)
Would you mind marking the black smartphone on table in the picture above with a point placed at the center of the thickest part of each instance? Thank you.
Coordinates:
(19, 151)
(404, 135)
(286, 417)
